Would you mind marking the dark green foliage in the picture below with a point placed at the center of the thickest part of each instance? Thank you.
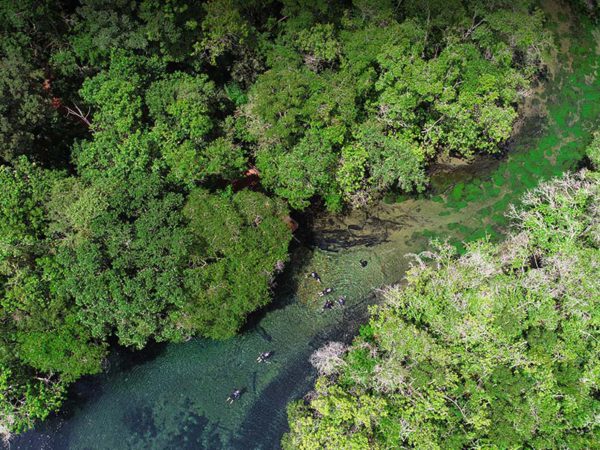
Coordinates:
(305, 171)
(28, 29)
(190, 34)
(25, 191)
(593, 151)
(123, 260)
(130, 262)
(180, 134)
(591, 7)
(183, 107)
(241, 241)
(25, 399)
(402, 85)
(107, 250)
(149, 27)
(43, 345)
(496, 348)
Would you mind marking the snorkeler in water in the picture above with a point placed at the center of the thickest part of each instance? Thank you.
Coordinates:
(264, 356)
(342, 300)
(328, 304)
(235, 395)
(316, 276)
(326, 291)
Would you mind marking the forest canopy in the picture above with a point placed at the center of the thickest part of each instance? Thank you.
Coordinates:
(151, 153)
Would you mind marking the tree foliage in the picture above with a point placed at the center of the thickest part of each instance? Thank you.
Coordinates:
(402, 84)
(591, 7)
(495, 348)
(128, 127)
(42, 346)
(28, 29)
(241, 242)
(593, 151)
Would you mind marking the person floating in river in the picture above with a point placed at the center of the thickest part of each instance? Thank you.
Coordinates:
(316, 276)
(328, 304)
(326, 291)
(236, 394)
(264, 356)
(363, 263)
(342, 300)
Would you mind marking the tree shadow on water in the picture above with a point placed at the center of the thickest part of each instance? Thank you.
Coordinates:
(284, 290)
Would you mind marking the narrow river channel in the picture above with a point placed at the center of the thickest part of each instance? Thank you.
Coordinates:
(173, 396)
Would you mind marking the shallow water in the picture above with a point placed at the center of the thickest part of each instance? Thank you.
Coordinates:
(173, 396)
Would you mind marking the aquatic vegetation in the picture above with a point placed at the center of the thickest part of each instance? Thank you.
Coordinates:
(572, 114)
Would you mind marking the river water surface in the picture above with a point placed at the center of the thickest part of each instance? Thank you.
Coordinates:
(173, 396)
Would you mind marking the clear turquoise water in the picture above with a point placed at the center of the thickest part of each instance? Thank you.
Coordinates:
(173, 396)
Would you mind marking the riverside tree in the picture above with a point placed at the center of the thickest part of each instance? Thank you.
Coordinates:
(495, 348)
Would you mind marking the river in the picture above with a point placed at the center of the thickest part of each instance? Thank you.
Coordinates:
(173, 396)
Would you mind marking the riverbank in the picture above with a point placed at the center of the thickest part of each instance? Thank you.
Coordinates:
(174, 396)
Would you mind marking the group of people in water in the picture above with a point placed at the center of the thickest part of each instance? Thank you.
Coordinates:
(328, 303)
(264, 357)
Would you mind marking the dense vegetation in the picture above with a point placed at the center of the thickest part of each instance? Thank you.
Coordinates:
(128, 130)
(591, 7)
(497, 348)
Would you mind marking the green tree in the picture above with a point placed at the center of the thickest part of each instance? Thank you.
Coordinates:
(24, 399)
(593, 151)
(183, 108)
(28, 29)
(179, 132)
(495, 348)
(123, 256)
(148, 27)
(128, 258)
(425, 79)
(43, 345)
(241, 243)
